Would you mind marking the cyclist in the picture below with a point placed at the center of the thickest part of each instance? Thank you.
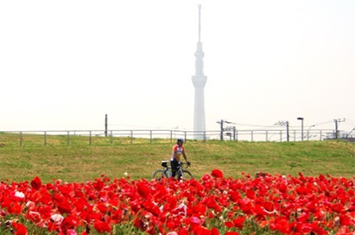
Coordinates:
(178, 150)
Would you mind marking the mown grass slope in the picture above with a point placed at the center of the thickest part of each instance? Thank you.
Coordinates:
(80, 161)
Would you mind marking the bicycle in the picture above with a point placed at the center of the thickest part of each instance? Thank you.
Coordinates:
(166, 173)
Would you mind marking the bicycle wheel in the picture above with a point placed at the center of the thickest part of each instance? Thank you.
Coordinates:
(186, 175)
(159, 174)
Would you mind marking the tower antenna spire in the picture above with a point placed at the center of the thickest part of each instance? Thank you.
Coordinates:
(199, 23)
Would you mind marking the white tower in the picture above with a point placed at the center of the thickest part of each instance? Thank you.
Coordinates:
(199, 80)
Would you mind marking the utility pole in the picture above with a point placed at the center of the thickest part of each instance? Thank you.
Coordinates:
(105, 125)
(336, 121)
(228, 128)
(221, 124)
(285, 123)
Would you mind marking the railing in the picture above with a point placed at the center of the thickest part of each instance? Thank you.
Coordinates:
(118, 137)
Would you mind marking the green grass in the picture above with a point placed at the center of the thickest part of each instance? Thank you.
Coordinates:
(80, 161)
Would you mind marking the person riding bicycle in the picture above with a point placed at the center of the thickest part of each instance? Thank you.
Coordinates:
(178, 150)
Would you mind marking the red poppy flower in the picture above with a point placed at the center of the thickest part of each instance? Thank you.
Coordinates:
(214, 231)
(287, 205)
(200, 230)
(217, 173)
(16, 208)
(238, 222)
(36, 183)
(143, 190)
(228, 224)
(231, 233)
(20, 229)
(199, 208)
(183, 231)
(64, 207)
(344, 219)
(102, 227)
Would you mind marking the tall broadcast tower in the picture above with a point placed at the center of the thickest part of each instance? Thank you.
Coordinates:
(199, 80)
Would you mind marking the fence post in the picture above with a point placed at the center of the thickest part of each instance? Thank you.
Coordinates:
(111, 139)
(68, 138)
(280, 136)
(131, 137)
(252, 136)
(171, 136)
(151, 136)
(204, 136)
(236, 135)
(89, 137)
(20, 138)
(320, 135)
(185, 137)
(45, 138)
(266, 136)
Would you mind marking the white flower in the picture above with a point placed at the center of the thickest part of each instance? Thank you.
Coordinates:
(57, 218)
(19, 194)
(30, 205)
(182, 209)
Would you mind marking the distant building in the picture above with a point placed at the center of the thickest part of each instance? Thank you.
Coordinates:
(199, 81)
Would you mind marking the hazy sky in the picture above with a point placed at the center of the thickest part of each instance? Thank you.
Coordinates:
(65, 64)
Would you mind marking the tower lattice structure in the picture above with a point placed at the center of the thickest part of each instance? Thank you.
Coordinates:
(199, 81)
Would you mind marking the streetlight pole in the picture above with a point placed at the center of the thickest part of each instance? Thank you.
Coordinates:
(105, 125)
(287, 131)
(301, 118)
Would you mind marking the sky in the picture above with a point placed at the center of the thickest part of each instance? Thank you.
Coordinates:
(65, 64)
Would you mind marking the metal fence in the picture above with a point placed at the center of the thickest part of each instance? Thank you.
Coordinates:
(119, 137)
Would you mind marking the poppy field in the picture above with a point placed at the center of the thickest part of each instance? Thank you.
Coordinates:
(261, 204)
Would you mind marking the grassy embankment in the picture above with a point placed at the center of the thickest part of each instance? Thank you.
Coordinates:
(80, 161)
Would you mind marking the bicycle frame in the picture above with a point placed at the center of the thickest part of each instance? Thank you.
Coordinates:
(180, 170)
(181, 173)
(167, 171)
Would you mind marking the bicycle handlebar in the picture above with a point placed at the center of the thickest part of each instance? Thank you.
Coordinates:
(186, 163)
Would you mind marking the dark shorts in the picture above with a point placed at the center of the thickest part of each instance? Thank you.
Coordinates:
(174, 167)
